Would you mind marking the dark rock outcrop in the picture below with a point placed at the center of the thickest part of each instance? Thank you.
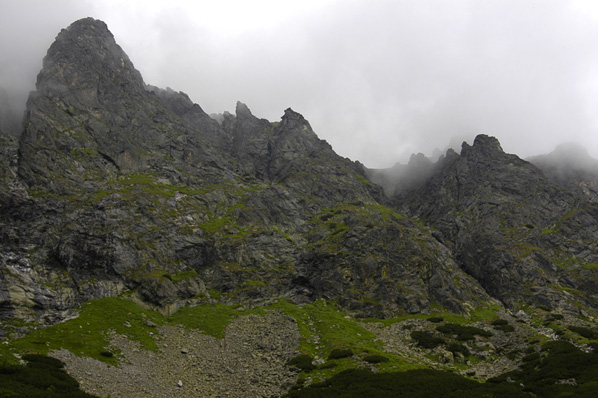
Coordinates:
(526, 239)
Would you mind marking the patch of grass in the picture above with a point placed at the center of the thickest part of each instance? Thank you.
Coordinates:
(89, 333)
(211, 318)
(324, 328)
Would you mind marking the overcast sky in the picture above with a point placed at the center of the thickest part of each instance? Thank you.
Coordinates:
(377, 79)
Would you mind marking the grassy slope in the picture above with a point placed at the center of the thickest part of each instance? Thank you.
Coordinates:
(323, 327)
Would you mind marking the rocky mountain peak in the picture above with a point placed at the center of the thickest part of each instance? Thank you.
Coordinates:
(242, 110)
(294, 120)
(85, 56)
(483, 145)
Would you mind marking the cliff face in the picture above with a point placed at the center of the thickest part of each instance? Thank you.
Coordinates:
(117, 187)
(526, 239)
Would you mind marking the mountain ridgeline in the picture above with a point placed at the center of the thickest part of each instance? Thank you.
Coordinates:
(116, 187)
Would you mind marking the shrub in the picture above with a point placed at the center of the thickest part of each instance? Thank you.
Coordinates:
(531, 357)
(328, 365)
(302, 362)
(499, 322)
(435, 319)
(106, 354)
(375, 359)
(583, 331)
(426, 340)
(456, 347)
(42, 361)
(413, 383)
(339, 353)
(43, 377)
(463, 333)
(505, 328)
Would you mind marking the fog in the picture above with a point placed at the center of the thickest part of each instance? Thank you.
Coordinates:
(379, 80)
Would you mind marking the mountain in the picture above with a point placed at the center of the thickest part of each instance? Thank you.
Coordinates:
(526, 239)
(130, 188)
(570, 166)
(119, 189)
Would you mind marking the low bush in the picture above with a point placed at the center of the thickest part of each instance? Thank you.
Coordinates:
(462, 333)
(456, 347)
(42, 377)
(583, 331)
(505, 328)
(413, 383)
(302, 362)
(339, 353)
(426, 339)
(436, 319)
(375, 359)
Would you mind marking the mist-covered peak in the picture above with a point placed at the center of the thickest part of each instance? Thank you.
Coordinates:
(484, 145)
(85, 56)
(573, 154)
(419, 159)
(571, 166)
(569, 155)
(243, 110)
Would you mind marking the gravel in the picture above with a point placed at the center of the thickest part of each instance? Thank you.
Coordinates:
(248, 362)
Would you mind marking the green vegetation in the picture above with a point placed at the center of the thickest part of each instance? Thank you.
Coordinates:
(414, 383)
(327, 332)
(426, 339)
(462, 333)
(42, 377)
(325, 328)
(502, 325)
(584, 332)
(302, 362)
(375, 359)
(89, 333)
(559, 370)
(435, 319)
(339, 353)
(211, 318)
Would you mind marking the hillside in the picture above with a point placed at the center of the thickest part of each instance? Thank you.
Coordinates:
(119, 193)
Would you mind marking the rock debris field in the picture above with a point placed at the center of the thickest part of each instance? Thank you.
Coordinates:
(248, 362)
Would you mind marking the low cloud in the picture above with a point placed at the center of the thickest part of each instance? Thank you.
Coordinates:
(379, 81)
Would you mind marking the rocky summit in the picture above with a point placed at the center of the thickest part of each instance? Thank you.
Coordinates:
(116, 188)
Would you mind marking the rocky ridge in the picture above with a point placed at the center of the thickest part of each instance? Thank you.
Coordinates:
(118, 186)
(524, 238)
